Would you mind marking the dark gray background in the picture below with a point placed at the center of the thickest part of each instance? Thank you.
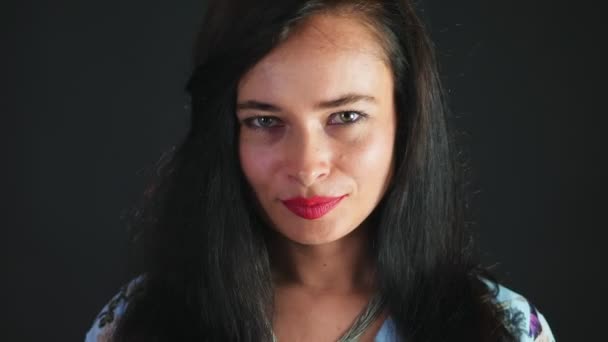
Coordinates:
(92, 96)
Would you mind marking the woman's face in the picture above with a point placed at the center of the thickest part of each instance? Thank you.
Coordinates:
(318, 119)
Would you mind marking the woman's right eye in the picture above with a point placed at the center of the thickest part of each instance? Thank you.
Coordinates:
(259, 122)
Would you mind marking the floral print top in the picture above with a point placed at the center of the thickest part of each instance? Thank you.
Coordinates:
(531, 323)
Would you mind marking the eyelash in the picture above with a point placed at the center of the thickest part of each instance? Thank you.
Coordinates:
(249, 121)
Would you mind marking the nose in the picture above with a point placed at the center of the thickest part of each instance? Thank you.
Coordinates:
(308, 158)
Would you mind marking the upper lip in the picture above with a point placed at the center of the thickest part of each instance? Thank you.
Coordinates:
(310, 201)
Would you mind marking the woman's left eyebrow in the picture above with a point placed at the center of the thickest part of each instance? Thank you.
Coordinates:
(341, 101)
(345, 100)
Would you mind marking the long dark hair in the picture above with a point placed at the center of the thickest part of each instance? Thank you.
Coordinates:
(204, 246)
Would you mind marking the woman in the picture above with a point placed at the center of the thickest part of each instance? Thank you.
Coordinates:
(315, 197)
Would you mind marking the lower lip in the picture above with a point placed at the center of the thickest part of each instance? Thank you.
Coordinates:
(314, 211)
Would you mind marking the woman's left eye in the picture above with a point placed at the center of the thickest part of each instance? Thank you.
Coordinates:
(347, 117)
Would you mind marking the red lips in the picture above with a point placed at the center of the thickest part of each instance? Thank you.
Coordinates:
(313, 207)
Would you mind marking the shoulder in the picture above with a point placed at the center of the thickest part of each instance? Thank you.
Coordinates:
(104, 323)
(521, 315)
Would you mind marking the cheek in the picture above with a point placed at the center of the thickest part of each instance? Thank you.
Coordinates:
(256, 163)
(369, 164)
(378, 153)
(372, 155)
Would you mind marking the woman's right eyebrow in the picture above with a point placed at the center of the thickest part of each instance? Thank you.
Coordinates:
(257, 105)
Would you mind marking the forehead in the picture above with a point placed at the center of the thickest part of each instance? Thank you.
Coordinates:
(326, 55)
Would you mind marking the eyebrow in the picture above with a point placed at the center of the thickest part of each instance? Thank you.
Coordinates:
(341, 101)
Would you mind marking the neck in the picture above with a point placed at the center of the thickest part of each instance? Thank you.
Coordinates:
(341, 266)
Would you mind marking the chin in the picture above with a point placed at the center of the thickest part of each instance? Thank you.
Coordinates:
(311, 240)
(312, 233)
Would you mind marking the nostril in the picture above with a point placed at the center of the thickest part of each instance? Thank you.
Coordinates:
(308, 178)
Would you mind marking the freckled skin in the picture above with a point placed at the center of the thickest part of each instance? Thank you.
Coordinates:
(306, 155)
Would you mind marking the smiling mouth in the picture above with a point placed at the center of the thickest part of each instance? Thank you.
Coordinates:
(312, 208)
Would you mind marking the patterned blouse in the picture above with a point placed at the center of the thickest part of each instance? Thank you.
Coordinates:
(533, 326)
